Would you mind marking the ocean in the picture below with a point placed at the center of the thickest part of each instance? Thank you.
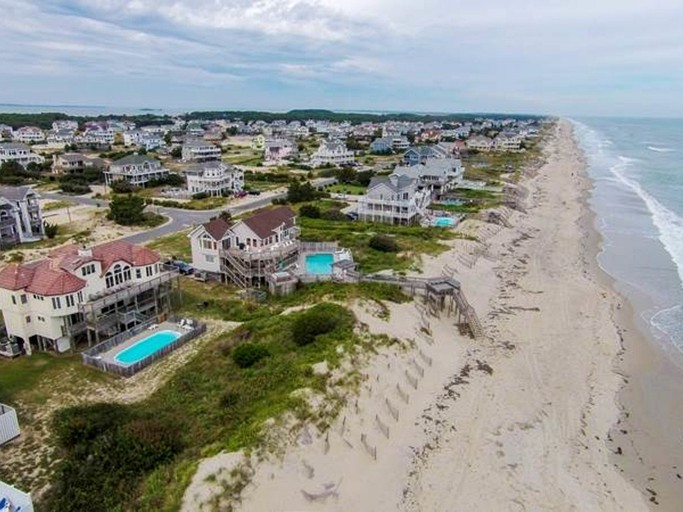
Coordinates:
(637, 168)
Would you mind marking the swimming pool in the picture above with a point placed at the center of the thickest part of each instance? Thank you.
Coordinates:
(146, 347)
(319, 263)
(444, 222)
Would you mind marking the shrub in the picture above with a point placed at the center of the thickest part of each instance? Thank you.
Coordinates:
(310, 211)
(383, 243)
(122, 187)
(200, 195)
(83, 423)
(334, 214)
(321, 319)
(248, 354)
(51, 230)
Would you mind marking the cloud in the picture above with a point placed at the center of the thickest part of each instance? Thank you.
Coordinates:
(530, 55)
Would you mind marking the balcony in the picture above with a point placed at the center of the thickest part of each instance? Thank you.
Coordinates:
(279, 250)
(126, 291)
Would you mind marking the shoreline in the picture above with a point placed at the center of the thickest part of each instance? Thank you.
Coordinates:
(647, 453)
(519, 419)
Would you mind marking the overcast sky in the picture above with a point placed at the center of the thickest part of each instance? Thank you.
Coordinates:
(578, 57)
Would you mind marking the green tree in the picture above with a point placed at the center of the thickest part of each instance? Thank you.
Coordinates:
(177, 152)
(127, 210)
(51, 230)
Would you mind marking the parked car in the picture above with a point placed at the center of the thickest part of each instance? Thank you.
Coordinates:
(184, 268)
(241, 193)
(255, 192)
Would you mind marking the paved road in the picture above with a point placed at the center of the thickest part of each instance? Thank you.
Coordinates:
(182, 219)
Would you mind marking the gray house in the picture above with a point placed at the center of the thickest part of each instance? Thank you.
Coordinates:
(438, 175)
(136, 169)
(20, 216)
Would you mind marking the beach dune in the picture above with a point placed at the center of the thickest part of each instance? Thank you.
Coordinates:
(516, 420)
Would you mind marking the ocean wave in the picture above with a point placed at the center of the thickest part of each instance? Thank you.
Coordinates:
(660, 150)
(669, 225)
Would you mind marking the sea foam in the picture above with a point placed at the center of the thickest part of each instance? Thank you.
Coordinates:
(668, 224)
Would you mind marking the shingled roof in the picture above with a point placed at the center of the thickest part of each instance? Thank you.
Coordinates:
(217, 228)
(265, 222)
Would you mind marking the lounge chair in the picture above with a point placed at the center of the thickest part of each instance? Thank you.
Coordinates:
(152, 327)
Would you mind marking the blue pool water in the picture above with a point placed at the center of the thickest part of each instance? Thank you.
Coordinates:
(444, 222)
(147, 346)
(319, 264)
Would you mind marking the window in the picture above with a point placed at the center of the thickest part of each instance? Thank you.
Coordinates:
(88, 269)
(28, 319)
(138, 273)
(69, 301)
(23, 298)
(14, 299)
(56, 303)
(207, 243)
(80, 296)
(148, 271)
(117, 276)
(41, 318)
(209, 257)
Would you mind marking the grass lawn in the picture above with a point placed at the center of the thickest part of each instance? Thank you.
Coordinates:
(412, 241)
(20, 376)
(341, 188)
(57, 205)
(173, 245)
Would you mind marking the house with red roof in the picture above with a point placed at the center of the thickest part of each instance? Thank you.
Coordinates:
(246, 252)
(80, 295)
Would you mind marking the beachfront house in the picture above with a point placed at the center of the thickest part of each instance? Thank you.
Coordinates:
(246, 252)
(80, 294)
(21, 219)
(480, 143)
(18, 152)
(394, 199)
(214, 178)
(332, 152)
(138, 170)
(420, 154)
(436, 175)
(197, 150)
(506, 141)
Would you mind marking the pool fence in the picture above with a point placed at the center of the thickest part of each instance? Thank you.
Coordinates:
(91, 357)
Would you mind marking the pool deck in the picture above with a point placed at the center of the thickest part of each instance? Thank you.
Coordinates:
(110, 355)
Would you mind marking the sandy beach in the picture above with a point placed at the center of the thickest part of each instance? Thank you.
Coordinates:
(517, 420)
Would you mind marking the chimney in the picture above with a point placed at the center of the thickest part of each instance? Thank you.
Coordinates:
(85, 252)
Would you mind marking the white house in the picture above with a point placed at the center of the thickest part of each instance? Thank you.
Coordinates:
(505, 141)
(20, 217)
(200, 151)
(143, 138)
(83, 294)
(436, 175)
(214, 178)
(246, 252)
(65, 124)
(136, 169)
(71, 163)
(394, 199)
(99, 135)
(16, 152)
(332, 152)
(29, 134)
(480, 143)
